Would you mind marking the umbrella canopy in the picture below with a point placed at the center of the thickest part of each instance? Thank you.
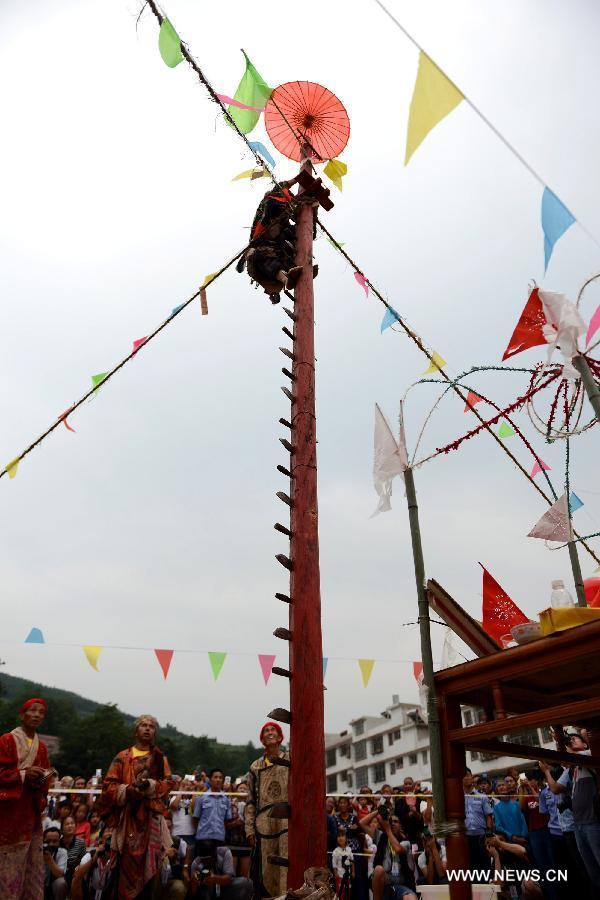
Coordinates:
(304, 111)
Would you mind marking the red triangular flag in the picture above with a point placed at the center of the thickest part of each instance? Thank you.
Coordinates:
(528, 332)
(500, 614)
(418, 671)
(164, 658)
(472, 400)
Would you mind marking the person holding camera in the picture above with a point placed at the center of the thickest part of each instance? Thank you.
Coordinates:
(55, 865)
(93, 876)
(24, 780)
(393, 874)
(218, 871)
(431, 861)
(133, 804)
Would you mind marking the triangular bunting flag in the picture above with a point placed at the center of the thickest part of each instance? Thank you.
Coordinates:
(593, 327)
(258, 147)
(92, 653)
(554, 524)
(334, 170)
(433, 98)
(169, 44)
(529, 329)
(556, 219)
(12, 468)
(252, 91)
(390, 318)
(505, 431)
(251, 174)
(574, 502)
(366, 670)
(500, 614)
(137, 344)
(35, 636)
(325, 661)
(216, 660)
(363, 282)
(176, 309)
(390, 459)
(418, 671)
(266, 661)
(98, 379)
(435, 365)
(538, 467)
(66, 424)
(472, 400)
(336, 244)
(164, 658)
(229, 101)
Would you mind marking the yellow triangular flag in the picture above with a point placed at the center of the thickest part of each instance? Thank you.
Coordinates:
(435, 365)
(433, 98)
(209, 278)
(596, 570)
(334, 170)
(366, 669)
(251, 173)
(12, 467)
(92, 654)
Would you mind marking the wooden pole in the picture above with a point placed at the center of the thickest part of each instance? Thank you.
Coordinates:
(306, 836)
(435, 740)
(577, 576)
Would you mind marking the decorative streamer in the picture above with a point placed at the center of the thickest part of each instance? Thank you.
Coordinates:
(505, 431)
(98, 379)
(164, 658)
(556, 219)
(433, 98)
(363, 282)
(252, 174)
(500, 613)
(266, 661)
(472, 400)
(389, 459)
(169, 45)
(216, 660)
(35, 636)
(253, 93)
(389, 319)
(63, 416)
(575, 502)
(538, 467)
(554, 524)
(137, 344)
(335, 170)
(259, 147)
(529, 330)
(92, 654)
(13, 467)
(593, 327)
(231, 102)
(418, 671)
(176, 309)
(436, 363)
(366, 670)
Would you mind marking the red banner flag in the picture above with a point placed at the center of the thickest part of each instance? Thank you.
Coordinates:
(164, 658)
(528, 332)
(472, 400)
(500, 614)
(418, 671)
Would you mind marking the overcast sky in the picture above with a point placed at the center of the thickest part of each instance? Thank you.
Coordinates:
(152, 525)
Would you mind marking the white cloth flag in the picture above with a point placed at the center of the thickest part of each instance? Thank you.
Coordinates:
(564, 327)
(554, 524)
(450, 655)
(390, 460)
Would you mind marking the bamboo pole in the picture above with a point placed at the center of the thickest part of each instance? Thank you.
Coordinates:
(435, 740)
(590, 384)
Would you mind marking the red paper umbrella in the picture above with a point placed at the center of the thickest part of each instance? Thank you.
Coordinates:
(304, 110)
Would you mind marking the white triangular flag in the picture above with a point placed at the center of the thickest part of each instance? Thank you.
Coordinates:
(564, 327)
(554, 524)
(450, 655)
(390, 460)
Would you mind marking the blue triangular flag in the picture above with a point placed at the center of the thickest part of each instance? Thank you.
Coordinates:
(176, 309)
(325, 661)
(258, 147)
(390, 318)
(35, 636)
(574, 502)
(556, 218)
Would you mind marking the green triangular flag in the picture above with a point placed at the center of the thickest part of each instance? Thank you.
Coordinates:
(252, 91)
(98, 379)
(505, 431)
(216, 662)
(169, 44)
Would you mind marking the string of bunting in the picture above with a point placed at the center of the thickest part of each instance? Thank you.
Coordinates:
(216, 659)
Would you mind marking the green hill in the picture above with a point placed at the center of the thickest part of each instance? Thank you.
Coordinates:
(92, 733)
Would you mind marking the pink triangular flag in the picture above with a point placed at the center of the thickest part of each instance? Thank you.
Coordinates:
(137, 344)
(554, 524)
(164, 658)
(418, 671)
(593, 326)
(266, 664)
(472, 400)
(65, 414)
(538, 467)
(362, 281)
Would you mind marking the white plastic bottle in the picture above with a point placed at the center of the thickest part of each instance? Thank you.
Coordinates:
(560, 597)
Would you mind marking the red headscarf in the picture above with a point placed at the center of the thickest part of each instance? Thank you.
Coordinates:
(273, 725)
(33, 700)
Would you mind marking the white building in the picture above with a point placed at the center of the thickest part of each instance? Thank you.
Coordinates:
(375, 750)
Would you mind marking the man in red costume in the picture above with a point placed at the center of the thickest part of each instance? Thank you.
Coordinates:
(24, 782)
(132, 804)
